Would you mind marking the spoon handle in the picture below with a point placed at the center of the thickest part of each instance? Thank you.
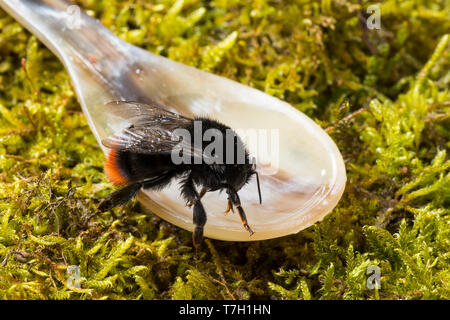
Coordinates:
(65, 29)
(97, 60)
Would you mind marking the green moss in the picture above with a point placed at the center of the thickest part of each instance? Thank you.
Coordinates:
(388, 113)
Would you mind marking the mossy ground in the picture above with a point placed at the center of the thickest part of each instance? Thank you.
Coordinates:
(387, 109)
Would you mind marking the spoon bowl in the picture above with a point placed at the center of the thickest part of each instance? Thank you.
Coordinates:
(302, 172)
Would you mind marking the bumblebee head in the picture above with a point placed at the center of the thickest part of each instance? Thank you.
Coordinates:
(240, 174)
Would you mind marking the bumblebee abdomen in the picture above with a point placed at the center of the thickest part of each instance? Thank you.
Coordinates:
(115, 170)
(122, 167)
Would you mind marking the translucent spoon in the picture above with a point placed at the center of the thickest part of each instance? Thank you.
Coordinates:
(302, 177)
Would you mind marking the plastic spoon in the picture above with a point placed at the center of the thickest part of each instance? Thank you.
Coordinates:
(302, 178)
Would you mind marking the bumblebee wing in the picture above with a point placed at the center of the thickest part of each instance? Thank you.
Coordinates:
(136, 111)
(152, 130)
(141, 140)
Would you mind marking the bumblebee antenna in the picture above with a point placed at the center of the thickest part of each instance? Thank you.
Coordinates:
(257, 178)
(259, 188)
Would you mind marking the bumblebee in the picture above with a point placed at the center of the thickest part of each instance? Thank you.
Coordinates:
(146, 155)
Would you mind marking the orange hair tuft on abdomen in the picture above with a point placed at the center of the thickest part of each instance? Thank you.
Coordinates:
(112, 169)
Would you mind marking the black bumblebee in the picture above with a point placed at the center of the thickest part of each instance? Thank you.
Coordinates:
(142, 156)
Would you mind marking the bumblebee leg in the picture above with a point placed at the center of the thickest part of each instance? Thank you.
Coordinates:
(199, 217)
(229, 206)
(237, 202)
(124, 195)
(201, 194)
(199, 221)
(119, 197)
(244, 220)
